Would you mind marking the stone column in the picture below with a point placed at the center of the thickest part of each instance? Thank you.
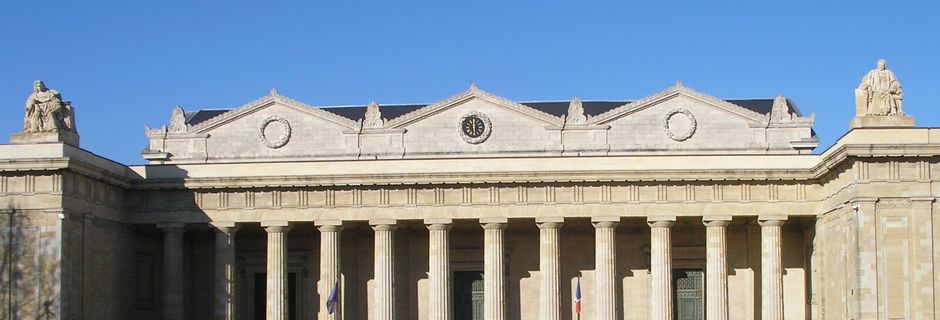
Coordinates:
(173, 270)
(330, 268)
(384, 298)
(276, 270)
(771, 268)
(439, 269)
(549, 268)
(605, 267)
(494, 284)
(716, 267)
(661, 267)
(225, 270)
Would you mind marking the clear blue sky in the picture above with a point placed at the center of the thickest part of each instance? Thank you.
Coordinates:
(126, 64)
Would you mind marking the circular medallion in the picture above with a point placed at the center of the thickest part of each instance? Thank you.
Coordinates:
(679, 124)
(274, 127)
(475, 127)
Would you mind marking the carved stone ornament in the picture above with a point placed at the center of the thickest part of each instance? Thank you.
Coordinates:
(178, 121)
(575, 112)
(281, 141)
(47, 112)
(373, 117)
(879, 93)
(682, 113)
(474, 127)
(780, 112)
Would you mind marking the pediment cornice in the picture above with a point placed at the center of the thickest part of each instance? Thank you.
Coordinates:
(473, 93)
(270, 99)
(669, 93)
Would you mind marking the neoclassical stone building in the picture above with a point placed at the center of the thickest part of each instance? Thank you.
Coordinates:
(678, 205)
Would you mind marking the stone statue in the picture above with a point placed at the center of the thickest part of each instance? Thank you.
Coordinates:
(780, 112)
(373, 116)
(879, 93)
(46, 112)
(178, 121)
(575, 112)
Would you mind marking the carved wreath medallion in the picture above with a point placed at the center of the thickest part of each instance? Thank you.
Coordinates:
(280, 141)
(474, 127)
(683, 113)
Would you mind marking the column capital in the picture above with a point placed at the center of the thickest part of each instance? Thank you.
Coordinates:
(716, 221)
(172, 227)
(227, 227)
(384, 227)
(439, 226)
(660, 221)
(320, 223)
(771, 220)
(275, 223)
(379, 222)
(550, 225)
(438, 221)
(549, 219)
(330, 228)
(606, 224)
(494, 225)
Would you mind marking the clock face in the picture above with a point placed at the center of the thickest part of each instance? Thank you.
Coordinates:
(473, 126)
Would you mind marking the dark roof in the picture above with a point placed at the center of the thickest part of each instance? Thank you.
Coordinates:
(203, 115)
(560, 108)
(388, 112)
(555, 108)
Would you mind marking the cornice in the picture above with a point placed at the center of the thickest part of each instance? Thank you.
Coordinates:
(265, 101)
(473, 92)
(677, 89)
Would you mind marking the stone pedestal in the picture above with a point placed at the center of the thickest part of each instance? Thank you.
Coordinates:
(330, 276)
(549, 269)
(605, 268)
(439, 270)
(69, 138)
(661, 267)
(384, 298)
(872, 121)
(173, 270)
(771, 268)
(494, 284)
(277, 271)
(225, 270)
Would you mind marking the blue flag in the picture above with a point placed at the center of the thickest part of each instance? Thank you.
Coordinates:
(333, 301)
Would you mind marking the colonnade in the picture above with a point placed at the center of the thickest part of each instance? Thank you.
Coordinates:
(439, 272)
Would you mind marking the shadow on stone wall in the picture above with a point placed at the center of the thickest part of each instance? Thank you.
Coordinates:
(29, 267)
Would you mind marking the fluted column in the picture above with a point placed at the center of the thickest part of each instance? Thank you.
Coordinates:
(549, 269)
(276, 271)
(661, 267)
(494, 284)
(771, 268)
(173, 270)
(330, 268)
(384, 298)
(225, 270)
(605, 268)
(716, 268)
(439, 269)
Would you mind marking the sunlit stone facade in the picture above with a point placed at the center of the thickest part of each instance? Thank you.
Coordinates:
(677, 205)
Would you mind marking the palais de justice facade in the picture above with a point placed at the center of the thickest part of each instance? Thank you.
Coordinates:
(678, 205)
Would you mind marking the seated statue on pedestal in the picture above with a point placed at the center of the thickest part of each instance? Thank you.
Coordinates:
(879, 93)
(47, 112)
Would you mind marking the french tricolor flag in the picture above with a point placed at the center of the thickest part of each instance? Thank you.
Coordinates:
(577, 298)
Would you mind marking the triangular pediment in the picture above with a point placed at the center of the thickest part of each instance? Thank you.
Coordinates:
(672, 93)
(269, 100)
(470, 94)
